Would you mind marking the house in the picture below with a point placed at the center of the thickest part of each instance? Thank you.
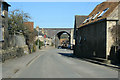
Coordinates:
(93, 36)
(30, 25)
(78, 21)
(37, 28)
(4, 24)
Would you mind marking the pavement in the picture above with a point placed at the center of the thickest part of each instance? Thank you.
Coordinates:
(58, 63)
(12, 66)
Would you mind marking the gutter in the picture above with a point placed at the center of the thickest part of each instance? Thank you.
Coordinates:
(100, 21)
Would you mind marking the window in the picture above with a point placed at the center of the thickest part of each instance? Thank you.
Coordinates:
(2, 11)
(91, 17)
(103, 12)
(95, 15)
(1, 8)
(1, 33)
(86, 20)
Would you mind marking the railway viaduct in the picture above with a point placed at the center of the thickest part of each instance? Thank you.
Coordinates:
(55, 33)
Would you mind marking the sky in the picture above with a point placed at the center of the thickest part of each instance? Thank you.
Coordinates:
(54, 14)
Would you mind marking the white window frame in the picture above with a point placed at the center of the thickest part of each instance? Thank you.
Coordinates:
(103, 12)
(96, 15)
(86, 20)
(1, 33)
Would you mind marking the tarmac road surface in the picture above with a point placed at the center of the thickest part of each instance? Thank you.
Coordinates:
(55, 63)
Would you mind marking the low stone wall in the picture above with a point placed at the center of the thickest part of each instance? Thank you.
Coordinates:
(13, 52)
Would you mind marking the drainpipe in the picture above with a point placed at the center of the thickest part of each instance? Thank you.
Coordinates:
(117, 35)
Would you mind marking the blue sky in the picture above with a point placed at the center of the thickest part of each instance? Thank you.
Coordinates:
(54, 14)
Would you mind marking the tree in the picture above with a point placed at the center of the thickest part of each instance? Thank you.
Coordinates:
(115, 31)
(16, 20)
(16, 26)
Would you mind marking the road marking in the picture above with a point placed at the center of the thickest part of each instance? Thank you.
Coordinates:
(27, 65)
(34, 59)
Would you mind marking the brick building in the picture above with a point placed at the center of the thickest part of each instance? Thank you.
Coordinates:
(93, 36)
(30, 25)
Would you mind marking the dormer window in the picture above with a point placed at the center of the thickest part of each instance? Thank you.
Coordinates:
(91, 17)
(86, 20)
(95, 15)
(103, 12)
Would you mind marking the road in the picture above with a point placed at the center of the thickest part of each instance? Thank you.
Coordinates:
(55, 63)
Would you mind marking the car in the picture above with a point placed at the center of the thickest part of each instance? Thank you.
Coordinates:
(59, 47)
(69, 46)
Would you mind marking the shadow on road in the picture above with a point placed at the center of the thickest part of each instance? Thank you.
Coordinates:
(67, 54)
(71, 55)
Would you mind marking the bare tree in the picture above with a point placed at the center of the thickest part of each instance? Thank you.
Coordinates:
(116, 35)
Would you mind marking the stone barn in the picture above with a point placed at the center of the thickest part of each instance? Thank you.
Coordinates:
(93, 36)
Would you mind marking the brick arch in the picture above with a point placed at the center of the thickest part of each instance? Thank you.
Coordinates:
(52, 33)
(59, 33)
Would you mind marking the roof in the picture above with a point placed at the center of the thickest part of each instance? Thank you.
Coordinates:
(79, 20)
(30, 24)
(5, 2)
(94, 16)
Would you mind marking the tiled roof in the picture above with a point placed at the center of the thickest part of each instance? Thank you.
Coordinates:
(30, 24)
(108, 6)
(5, 2)
(79, 20)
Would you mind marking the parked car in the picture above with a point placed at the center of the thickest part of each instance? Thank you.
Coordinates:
(59, 47)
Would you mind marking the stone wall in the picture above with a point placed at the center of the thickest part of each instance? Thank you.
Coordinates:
(119, 14)
(110, 41)
(10, 46)
(57, 42)
(12, 53)
(16, 47)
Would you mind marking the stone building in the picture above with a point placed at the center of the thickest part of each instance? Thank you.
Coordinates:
(78, 20)
(93, 36)
(37, 28)
(10, 45)
(4, 37)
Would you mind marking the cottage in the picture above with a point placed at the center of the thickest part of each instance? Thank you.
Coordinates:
(93, 36)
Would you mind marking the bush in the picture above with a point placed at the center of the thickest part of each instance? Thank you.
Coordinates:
(20, 52)
(115, 31)
(34, 47)
(52, 44)
(40, 43)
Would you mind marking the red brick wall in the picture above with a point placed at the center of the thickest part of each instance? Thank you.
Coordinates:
(30, 24)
